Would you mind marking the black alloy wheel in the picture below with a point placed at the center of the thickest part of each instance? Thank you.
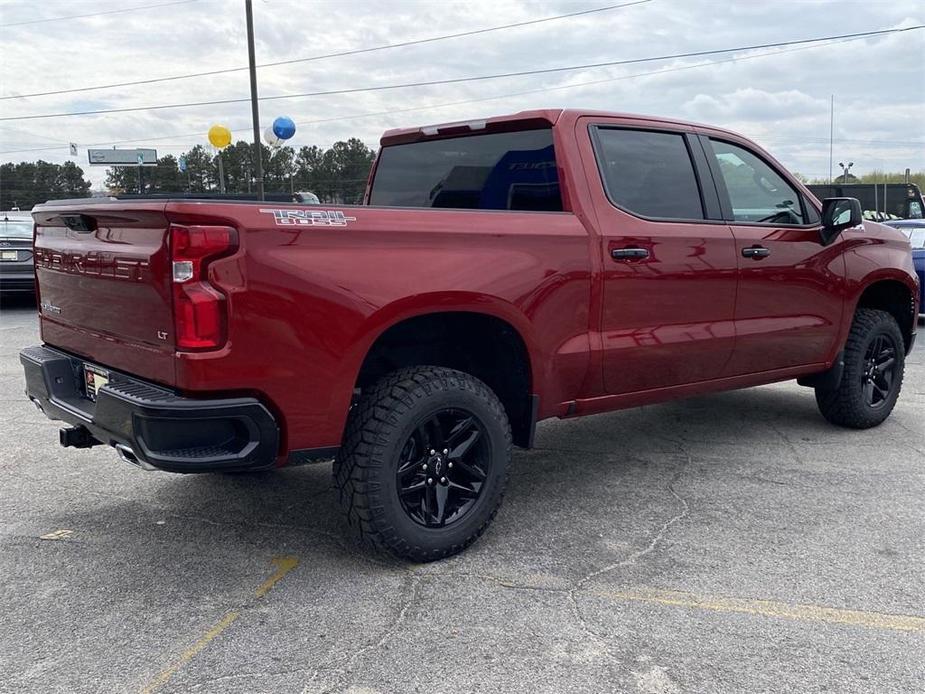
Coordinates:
(873, 360)
(879, 370)
(442, 468)
(424, 462)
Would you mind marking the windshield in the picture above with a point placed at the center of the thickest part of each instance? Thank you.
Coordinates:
(16, 228)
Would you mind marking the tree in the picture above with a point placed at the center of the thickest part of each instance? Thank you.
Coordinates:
(163, 178)
(335, 175)
(237, 160)
(26, 184)
(200, 170)
(311, 168)
(352, 161)
(876, 176)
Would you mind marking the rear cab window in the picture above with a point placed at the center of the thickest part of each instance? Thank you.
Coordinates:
(491, 171)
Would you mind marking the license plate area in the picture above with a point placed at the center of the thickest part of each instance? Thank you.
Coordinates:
(94, 379)
(9, 256)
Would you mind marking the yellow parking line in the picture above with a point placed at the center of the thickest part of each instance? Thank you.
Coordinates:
(190, 652)
(770, 608)
(57, 535)
(284, 565)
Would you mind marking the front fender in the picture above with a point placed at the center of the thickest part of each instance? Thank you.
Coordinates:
(879, 254)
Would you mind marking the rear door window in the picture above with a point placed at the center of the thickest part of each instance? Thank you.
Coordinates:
(648, 173)
(494, 171)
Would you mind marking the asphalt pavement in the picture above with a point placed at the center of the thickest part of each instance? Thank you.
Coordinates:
(729, 543)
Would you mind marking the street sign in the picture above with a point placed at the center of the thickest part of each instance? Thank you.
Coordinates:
(122, 157)
(181, 163)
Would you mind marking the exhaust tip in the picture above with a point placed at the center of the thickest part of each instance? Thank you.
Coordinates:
(127, 455)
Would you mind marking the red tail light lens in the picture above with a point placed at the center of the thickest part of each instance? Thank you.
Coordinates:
(199, 308)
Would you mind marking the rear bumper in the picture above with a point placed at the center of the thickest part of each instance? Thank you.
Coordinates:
(150, 425)
(17, 282)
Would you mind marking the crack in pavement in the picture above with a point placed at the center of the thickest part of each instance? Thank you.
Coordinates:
(417, 577)
(573, 592)
(633, 557)
(411, 586)
(656, 538)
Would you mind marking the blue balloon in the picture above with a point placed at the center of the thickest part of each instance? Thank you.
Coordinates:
(283, 127)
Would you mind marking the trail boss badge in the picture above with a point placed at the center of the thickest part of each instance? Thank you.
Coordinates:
(312, 218)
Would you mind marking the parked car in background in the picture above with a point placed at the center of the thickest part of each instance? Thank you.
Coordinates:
(306, 197)
(915, 230)
(17, 272)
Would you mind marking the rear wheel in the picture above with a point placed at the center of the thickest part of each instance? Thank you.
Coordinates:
(424, 462)
(873, 375)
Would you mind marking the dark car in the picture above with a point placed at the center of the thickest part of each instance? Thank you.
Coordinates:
(17, 273)
(915, 230)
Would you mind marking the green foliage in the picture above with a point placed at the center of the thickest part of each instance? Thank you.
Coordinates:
(875, 176)
(165, 177)
(29, 183)
(337, 174)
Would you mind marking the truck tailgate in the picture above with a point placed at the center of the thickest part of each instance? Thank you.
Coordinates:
(104, 287)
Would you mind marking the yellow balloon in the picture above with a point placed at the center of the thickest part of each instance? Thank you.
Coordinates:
(219, 136)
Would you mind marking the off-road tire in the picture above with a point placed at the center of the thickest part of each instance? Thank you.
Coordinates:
(846, 405)
(366, 465)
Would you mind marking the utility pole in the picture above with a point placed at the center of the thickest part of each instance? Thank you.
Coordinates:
(255, 108)
(221, 173)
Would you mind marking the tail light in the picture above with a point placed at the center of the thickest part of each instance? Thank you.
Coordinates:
(199, 308)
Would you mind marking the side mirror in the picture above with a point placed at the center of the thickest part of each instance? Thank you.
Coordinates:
(839, 214)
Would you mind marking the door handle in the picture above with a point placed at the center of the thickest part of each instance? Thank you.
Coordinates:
(756, 252)
(629, 253)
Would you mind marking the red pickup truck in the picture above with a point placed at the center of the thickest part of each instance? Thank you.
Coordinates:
(550, 263)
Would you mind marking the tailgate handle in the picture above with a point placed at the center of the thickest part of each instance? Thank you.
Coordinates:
(632, 253)
(79, 222)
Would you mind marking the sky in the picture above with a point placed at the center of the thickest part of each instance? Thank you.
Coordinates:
(777, 97)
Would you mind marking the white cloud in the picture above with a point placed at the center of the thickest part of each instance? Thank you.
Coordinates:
(781, 100)
(754, 104)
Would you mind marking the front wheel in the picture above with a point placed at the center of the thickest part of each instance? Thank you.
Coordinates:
(874, 364)
(424, 462)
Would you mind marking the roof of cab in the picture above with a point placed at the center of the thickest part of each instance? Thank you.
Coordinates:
(516, 121)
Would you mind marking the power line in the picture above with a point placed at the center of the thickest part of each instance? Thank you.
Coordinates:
(475, 100)
(821, 140)
(96, 14)
(355, 51)
(458, 80)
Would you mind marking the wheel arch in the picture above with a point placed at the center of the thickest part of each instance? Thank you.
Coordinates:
(896, 296)
(490, 339)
